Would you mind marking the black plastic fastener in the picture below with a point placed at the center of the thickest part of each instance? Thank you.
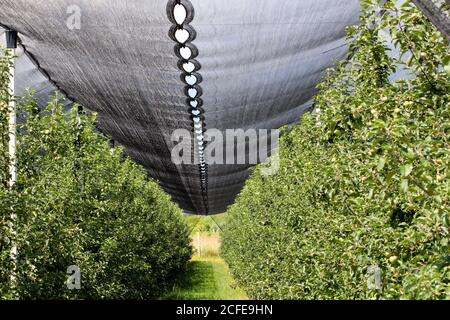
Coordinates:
(11, 39)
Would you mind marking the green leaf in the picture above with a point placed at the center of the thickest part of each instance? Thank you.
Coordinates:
(381, 163)
(406, 170)
(404, 185)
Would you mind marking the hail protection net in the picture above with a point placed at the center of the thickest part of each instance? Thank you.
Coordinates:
(149, 68)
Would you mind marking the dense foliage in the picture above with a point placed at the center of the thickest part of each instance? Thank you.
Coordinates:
(80, 202)
(362, 194)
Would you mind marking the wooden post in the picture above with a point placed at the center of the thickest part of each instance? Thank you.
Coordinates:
(199, 248)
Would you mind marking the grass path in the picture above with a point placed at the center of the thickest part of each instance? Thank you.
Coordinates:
(206, 278)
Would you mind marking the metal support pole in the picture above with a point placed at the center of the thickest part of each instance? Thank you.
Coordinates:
(440, 20)
(11, 45)
(12, 126)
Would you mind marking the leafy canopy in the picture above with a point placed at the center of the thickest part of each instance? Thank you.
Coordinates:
(360, 206)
